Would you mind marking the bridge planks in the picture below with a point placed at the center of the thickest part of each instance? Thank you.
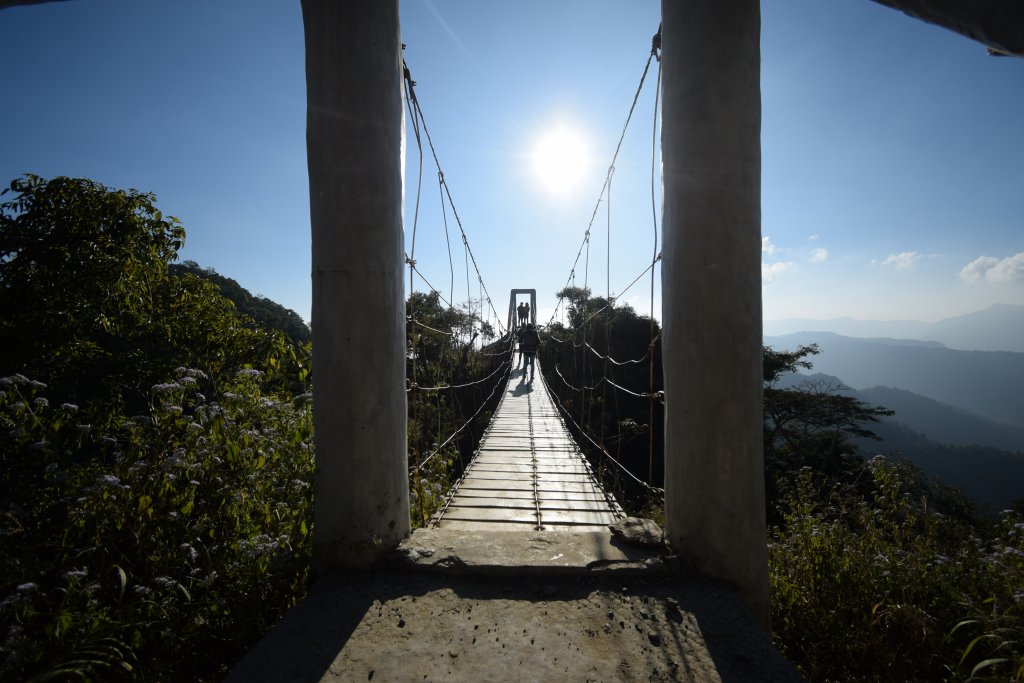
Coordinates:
(528, 473)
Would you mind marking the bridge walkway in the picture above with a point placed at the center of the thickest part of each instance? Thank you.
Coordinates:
(528, 473)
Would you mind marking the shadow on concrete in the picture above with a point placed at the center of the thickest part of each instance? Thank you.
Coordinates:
(660, 628)
(302, 647)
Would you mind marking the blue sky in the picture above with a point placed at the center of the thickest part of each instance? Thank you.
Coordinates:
(893, 186)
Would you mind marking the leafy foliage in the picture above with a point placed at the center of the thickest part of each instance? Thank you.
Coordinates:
(877, 573)
(603, 339)
(89, 306)
(261, 309)
(179, 541)
(148, 532)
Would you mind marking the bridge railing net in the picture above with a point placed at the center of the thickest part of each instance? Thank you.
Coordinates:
(458, 355)
(603, 360)
(457, 361)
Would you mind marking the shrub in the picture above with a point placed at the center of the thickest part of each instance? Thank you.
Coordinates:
(152, 550)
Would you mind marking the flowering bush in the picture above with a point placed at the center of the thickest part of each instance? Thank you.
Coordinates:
(873, 584)
(154, 549)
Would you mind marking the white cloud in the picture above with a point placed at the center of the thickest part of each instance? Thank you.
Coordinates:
(819, 255)
(902, 261)
(1009, 270)
(767, 247)
(813, 237)
(770, 270)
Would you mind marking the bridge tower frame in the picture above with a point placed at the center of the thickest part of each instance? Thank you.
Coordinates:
(512, 306)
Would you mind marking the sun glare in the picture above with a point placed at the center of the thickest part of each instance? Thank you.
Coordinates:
(560, 160)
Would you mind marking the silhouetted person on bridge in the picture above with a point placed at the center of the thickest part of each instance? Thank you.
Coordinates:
(528, 348)
(521, 313)
(526, 313)
(519, 342)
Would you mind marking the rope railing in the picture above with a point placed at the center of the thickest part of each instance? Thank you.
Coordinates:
(610, 359)
(423, 463)
(657, 395)
(623, 468)
(604, 404)
(425, 326)
(442, 387)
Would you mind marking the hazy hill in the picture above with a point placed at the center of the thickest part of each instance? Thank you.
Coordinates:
(988, 475)
(944, 423)
(983, 457)
(987, 383)
(997, 328)
(259, 308)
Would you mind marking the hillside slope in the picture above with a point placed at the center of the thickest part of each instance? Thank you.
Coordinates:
(986, 383)
(259, 308)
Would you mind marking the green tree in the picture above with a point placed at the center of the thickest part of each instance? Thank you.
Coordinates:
(89, 306)
(261, 309)
(810, 425)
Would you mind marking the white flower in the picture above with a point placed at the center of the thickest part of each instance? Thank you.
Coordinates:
(164, 582)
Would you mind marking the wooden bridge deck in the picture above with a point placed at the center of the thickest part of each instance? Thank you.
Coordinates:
(528, 473)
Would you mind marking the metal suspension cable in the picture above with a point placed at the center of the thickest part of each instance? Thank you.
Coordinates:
(447, 239)
(414, 269)
(418, 123)
(414, 103)
(637, 278)
(655, 46)
(410, 258)
(615, 156)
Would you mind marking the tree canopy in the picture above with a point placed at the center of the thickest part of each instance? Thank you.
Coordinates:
(88, 302)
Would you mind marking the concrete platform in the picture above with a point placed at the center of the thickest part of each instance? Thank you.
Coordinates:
(528, 605)
(524, 552)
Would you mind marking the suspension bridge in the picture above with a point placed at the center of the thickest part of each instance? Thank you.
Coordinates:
(521, 530)
(537, 493)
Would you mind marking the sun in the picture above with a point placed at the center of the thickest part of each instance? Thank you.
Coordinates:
(559, 160)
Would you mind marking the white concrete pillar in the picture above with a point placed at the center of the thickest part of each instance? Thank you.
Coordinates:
(354, 138)
(711, 280)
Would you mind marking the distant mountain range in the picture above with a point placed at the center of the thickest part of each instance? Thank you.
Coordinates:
(987, 383)
(982, 456)
(997, 328)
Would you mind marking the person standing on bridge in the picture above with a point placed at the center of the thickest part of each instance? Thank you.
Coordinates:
(520, 332)
(521, 314)
(528, 348)
(526, 313)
